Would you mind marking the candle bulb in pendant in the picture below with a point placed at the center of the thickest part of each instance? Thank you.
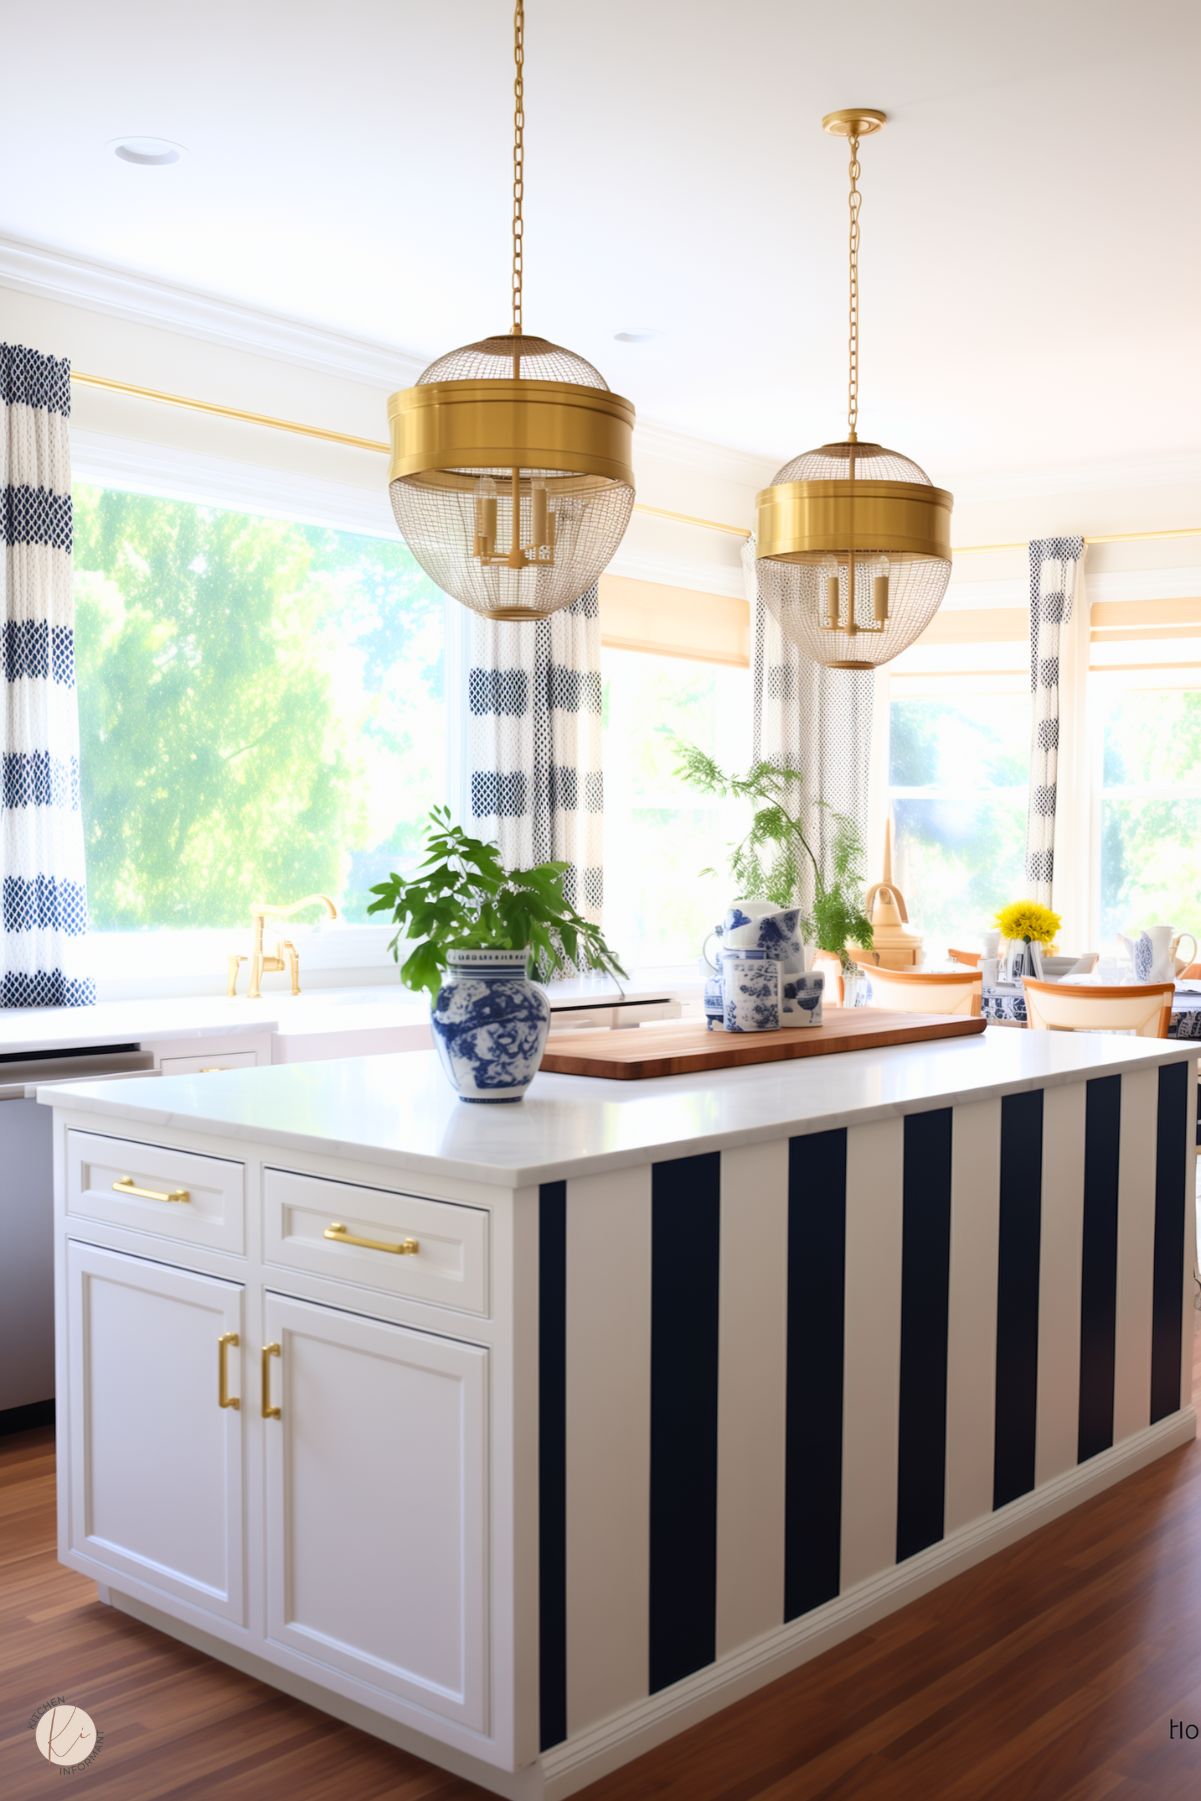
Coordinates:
(880, 599)
(541, 513)
(830, 615)
(485, 516)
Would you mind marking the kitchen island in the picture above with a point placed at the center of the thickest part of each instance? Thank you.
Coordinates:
(525, 1437)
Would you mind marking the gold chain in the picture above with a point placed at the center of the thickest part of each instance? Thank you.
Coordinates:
(853, 201)
(518, 157)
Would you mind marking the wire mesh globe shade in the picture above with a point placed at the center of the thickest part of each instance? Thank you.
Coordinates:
(884, 506)
(511, 478)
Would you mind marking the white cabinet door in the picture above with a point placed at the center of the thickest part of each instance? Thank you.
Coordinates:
(155, 1461)
(377, 1505)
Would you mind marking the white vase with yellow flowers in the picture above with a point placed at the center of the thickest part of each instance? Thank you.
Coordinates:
(1029, 931)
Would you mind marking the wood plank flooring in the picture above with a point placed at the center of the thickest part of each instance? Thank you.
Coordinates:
(1049, 1673)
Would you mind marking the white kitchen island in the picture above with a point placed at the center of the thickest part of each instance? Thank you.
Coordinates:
(526, 1436)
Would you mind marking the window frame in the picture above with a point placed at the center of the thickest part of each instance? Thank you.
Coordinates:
(683, 975)
(904, 685)
(129, 965)
(1129, 679)
(1150, 675)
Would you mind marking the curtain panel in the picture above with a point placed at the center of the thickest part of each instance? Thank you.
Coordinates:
(813, 719)
(1056, 863)
(534, 744)
(44, 920)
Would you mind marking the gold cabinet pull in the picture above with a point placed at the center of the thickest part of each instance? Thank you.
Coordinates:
(408, 1247)
(269, 1351)
(224, 1398)
(127, 1185)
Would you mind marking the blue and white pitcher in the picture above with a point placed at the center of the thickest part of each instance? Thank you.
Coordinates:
(761, 925)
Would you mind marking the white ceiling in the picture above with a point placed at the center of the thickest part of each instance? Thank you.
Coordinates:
(1031, 259)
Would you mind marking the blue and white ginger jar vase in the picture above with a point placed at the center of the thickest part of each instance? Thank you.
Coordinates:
(490, 1024)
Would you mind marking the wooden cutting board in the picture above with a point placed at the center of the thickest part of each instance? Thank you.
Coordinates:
(678, 1047)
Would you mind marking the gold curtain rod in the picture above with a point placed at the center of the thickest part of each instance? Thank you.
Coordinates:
(326, 436)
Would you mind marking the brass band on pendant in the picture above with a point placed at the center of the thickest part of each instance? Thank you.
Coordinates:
(802, 522)
(501, 424)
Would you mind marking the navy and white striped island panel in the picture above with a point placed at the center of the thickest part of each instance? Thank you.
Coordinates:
(770, 1373)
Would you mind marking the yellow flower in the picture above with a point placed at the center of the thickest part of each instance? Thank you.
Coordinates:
(1026, 919)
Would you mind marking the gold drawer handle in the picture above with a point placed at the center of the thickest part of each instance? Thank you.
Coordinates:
(127, 1185)
(224, 1398)
(408, 1247)
(269, 1351)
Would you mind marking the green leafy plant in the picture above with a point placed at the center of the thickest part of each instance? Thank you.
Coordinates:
(766, 863)
(463, 898)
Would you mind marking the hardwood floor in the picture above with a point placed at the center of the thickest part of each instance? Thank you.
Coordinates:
(1049, 1673)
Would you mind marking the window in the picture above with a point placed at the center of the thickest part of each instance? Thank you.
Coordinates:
(261, 709)
(659, 835)
(1147, 817)
(958, 766)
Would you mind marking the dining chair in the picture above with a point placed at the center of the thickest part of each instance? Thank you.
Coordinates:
(1068, 1007)
(969, 959)
(925, 991)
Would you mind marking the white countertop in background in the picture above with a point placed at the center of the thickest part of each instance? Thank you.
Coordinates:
(399, 1110)
(29, 1029)
(316, 1012)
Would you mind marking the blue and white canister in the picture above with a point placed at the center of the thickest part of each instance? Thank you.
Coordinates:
(490, 1024)
(750, 982)
(779, 934)
(807, 988)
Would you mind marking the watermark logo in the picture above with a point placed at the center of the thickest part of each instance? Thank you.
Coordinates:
(65, 1735)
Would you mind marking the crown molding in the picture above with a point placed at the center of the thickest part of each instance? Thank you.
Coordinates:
(51, 274)
(144, 300)
(1174, 468)
(725, 462)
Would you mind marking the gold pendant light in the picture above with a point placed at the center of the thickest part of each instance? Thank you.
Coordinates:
(854, 541)
(511, 476)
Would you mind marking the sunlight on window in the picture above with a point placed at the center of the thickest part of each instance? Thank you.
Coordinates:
(660, 835)
(958, 784)
(1150, 825)
(261, 709)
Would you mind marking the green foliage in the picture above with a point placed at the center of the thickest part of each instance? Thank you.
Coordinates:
(766, 863)
(463, 898)
(242, 731)
(838, 916)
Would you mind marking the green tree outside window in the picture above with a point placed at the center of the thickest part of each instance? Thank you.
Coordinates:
(261, 709)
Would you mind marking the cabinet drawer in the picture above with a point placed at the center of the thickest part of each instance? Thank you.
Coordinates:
(200, 1066)
(449, 1265)
(184, 1196)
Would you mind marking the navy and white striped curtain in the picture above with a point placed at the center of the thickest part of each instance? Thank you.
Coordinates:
(810, 718)
(534, 744)
(43, 928)
(1058, 665)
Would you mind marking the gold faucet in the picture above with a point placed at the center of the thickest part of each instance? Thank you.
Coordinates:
(285, 955)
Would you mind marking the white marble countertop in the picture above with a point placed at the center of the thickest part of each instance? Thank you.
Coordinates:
(400, 1111)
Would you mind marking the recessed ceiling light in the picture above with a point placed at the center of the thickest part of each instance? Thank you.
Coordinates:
(645, 336)
(146, 153)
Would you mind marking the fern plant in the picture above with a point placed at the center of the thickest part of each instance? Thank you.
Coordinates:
(767, 861)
